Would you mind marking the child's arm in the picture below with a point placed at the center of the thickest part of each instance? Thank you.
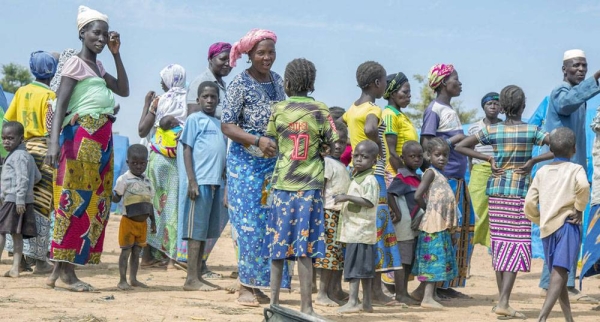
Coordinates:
(426, 181)
(116, 197)
(152, 223)
(467, 147)
(533, 161)
(189, 170)
(22, 182)
(532, 201)
(359, 201)
(582, 194)
(395, 210)
(371, 125)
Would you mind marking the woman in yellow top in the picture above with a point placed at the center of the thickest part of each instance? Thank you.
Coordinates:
(398, 127)
(30, 108)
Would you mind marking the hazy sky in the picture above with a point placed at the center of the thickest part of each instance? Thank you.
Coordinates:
(491, 43)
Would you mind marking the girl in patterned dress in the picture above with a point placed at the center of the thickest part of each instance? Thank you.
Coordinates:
(512, 141)
(434, 257)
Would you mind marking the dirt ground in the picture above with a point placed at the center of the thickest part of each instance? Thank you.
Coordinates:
(27, 298)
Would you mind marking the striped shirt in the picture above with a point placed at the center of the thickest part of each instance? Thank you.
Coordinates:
(513, 146)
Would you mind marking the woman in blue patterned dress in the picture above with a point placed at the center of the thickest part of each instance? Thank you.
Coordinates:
(251, 161)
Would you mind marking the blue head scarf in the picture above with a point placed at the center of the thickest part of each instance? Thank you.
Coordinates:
(42, 65)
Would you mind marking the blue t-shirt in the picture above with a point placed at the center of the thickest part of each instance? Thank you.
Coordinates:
(209, 147)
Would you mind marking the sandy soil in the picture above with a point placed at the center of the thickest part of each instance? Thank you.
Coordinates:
(27, 299)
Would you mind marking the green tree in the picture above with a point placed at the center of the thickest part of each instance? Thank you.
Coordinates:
(15, 76)
(426, 94)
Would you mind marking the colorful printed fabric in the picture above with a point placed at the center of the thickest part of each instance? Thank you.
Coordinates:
(398, 124)
(295, 225)
(36, 247)
(437, 73)
(441, 213)
(165, 141)
(246, 43)
(334, 250)
(463, 235)
(82, 191)
(162, 172)
(217, 48)
(300, 126)
(394, 83)
(248, 104)
(511, 235)
(434, 258)
(387, 254)
(29, 107)
(442, 121)
(42, 65)
(480, 173)
(513, 147)
(248, 179)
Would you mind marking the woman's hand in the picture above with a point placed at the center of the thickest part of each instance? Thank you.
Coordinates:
(20, 209)
(495, 170)
(52, 155)
(114, 42)
(526, 168)
(154, 105)
(149, 98)
(267, 146)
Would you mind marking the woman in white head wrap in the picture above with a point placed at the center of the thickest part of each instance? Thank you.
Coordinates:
(83, 123)
(162, 169)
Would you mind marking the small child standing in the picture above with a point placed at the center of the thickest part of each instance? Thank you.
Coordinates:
(19, 175)
(562, 191)
(358, 227)
(337, 181)
(404, 210)
(136, 191)
(435, 260)
(301, 127)
(201, 161)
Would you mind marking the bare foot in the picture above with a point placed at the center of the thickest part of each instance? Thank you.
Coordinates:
(12, 273)
(124, 286)
(350, 308)
(366, 309)
(408, 300)
(42, 267)
(136, 283)
(260, 296)
(381, 299)
(324, 300)
(312, 313)
(199, 285)
(431, 304)
(246, 297)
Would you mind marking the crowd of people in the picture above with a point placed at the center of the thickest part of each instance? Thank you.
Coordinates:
(357, 194)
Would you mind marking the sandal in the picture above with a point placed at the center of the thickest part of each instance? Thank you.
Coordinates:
(510, 315)
(210, 275)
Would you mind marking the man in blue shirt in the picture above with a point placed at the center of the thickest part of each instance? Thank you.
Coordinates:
(567, 107)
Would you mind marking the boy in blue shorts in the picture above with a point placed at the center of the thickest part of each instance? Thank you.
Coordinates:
(201, 162)
(137, 193)
(559, 218)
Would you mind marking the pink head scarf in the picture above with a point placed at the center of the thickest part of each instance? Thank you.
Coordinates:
(218, 48)
(437, 73)
(248, 42)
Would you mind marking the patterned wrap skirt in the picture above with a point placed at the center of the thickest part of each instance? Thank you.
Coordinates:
(387, 254)
(82, 191)
(435, 259)
(248, 179)
(511, 234)
(295, 225)
(334, 250)
(162, 172)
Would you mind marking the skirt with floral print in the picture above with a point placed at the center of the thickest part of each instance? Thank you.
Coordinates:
(435, 260)
(295, 225)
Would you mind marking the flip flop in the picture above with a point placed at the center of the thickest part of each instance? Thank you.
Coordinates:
(79, 287)
(396, 303)
(582, 298)
(179, 266)
(514, 315)
(210, 275)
